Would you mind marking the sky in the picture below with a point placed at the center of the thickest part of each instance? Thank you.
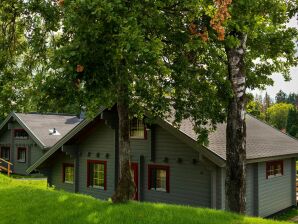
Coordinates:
(279, 83)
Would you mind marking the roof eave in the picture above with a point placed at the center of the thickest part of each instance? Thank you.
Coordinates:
(270, 158)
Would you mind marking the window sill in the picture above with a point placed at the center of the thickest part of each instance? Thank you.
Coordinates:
(68, 182)
(159, 190)
(137, 138)
(96, 188)
(270, 177)
(21, 161)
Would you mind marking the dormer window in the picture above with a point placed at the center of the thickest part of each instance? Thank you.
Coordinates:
(20, 134)
(137, 129)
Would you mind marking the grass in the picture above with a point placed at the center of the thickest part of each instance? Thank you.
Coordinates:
(30, 201)
(286, 215)
(18, 176)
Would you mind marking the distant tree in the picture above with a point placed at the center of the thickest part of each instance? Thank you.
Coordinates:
(292, 122)
(278, 115)
(281, 97)
(292, 98)
(255, 108)
(267, 101)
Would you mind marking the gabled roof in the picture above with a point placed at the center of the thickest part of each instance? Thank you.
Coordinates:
(62, 141)
(38, 126)
(263, 141)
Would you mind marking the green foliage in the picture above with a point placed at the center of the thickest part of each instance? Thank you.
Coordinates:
(255, 108)
(145, 46)
(34, 202)
(25, 48)
(278, 115)
(292, 122)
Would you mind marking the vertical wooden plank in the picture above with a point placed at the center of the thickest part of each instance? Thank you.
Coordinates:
(152, 143)
(141, 178)
(256, 189)
(77, 170)
(223, 187)
(213, 189)
(294, 184)
(116, 174)
(8, 169)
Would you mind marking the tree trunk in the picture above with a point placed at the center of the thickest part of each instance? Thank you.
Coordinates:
(236, 130)
(125, 189)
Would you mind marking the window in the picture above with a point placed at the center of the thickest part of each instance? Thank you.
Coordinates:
(137, 129)
(274, 169)
(68, 173)
(159, 178)
(97, 174)
(5, 153)
(21, 154)
(20, 134)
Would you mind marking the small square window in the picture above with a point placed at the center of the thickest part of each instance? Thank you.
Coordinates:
(137, 129)
(68, 173)
(5, 153)
(274, 169)
(158, 178)
(97, 174)
(20, 134)
(21, 153)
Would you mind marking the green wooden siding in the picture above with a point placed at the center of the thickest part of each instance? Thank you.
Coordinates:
(34, 152)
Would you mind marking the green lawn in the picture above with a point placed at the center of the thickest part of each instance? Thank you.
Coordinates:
(287, 215)
(31, 202)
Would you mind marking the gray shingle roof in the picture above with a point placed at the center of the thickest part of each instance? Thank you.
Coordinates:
(39, 125)
(262, 140)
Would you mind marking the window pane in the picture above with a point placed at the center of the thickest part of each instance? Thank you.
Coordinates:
(5, 153)
(158, 179)
(98, 173)
(137, 128)
(69, 174)
(22, 154)
(21, 134)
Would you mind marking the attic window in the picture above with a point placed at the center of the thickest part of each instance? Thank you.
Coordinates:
(54, 132)
(20, 134)
(137, 129)
(274, 169)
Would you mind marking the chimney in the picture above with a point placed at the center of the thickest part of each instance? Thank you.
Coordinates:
(82, 113)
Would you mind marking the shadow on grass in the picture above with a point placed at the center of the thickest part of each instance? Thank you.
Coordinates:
(24, 205)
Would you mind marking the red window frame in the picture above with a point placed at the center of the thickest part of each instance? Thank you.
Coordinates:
(19, 129)
(8, 152)
(162, 167)
(18, 158)
(105, 171)
(64, 165)
(274, 163)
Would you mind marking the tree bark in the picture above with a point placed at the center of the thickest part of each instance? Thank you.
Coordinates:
(125, 189)
(236, 130)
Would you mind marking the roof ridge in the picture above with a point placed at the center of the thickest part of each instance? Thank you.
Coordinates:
(48, 113)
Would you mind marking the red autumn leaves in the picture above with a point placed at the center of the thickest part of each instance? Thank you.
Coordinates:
(221, 15)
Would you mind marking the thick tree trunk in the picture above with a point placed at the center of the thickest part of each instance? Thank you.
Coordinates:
(236, 130)
(125, 189)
